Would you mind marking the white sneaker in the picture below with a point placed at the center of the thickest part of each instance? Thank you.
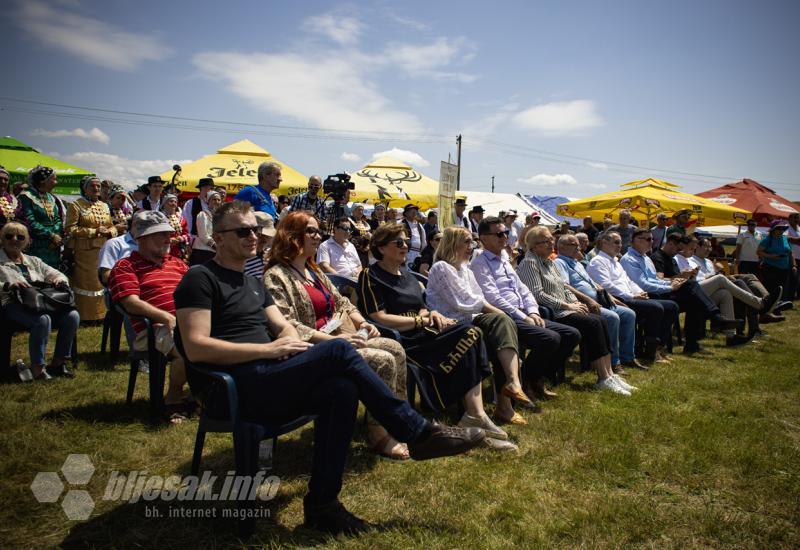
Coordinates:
(483, 422)
(611, 385)
(622, 383)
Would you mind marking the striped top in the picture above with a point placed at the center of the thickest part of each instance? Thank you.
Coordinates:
(255, 266)
(154, 284)
(542, 277)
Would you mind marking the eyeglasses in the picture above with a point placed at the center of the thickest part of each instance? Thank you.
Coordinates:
(12, 236)
(500, 234)
(401, 243)
(568, 244)
(313, 231)
(243, 232)
(346, 228)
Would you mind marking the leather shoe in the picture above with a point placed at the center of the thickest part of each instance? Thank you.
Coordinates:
(738, 340)
(721, 323)
(60, 370)
(782, 306)
(770, 318)
(618, 369)
(768, 303)
(516, 420)
(445, 441)
(634, 364)
(517, 395)
(333, 518)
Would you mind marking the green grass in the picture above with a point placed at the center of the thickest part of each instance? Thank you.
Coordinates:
(706, 454)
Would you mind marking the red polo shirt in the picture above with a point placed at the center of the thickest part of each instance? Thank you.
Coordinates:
(154, 284)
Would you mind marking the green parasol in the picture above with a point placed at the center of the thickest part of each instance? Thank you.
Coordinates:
(18, 158)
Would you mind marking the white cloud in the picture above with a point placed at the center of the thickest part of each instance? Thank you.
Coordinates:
(549, 180)
(119, 169)
(351, 157)
(345, 31)
(561, 117)
(426, 60)
(95, 134)
(406, 21)
(309, 89)
(597, 165)
(90, 39)
(409, 157)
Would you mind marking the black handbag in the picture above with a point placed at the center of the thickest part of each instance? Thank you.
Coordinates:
(604, 299)
(45, 298)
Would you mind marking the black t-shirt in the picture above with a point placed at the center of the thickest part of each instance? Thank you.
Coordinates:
(237, 302)
(664, 263)
(426, 257)
(591, 233)
(396, 294)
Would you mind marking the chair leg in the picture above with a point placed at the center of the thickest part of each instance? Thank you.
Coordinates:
(115, 334)
(245, 446)
(199, 442)
(106, 328)
(132, 380)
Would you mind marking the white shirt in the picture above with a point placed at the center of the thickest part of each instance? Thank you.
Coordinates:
(187, 211)
(608, 273)
(204, 239)
(685, 264)
(454, 293)
(791, 232)
(706, 268)
(416, 243)
(749, 242)
(343, 259)
(513, 234)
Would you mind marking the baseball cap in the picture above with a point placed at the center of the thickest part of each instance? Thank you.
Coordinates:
(147, 222)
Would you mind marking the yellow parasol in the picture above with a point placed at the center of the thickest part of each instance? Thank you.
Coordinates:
(395, 183)
(235, 166)
(646, 198)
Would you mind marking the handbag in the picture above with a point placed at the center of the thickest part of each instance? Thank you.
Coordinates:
(45, 298)
(604, 299)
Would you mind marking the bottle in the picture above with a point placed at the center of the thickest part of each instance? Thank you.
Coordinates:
(363, 333)
(24, 373)
(265, 455)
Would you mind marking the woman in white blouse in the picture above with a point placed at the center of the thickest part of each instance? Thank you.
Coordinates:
(453, 291)
(203, 248)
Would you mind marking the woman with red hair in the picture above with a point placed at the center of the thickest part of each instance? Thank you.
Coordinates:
(311, 303)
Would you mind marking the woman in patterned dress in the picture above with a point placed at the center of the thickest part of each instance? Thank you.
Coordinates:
(42, 213)
(307, 298)
(121, 211)
(8, 202)
(180, 240)
(88, 227)
(362, 232)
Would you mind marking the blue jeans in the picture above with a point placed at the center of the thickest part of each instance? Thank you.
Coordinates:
(621, 323)
(40, 325)
(328, 380)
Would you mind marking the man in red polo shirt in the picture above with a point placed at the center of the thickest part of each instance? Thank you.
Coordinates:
(143, 284)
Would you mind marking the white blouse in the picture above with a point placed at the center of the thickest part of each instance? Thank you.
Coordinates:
(454, 293)
(204, 239)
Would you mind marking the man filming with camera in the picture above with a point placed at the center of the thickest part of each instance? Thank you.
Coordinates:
(337, 187)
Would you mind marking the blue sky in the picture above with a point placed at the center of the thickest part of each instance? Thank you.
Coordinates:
(551, 97)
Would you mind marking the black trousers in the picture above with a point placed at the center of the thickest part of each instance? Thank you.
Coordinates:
(657, 317)
(550, 346)
(697, 305)
(749, 267)
(595, 342)
(773, 277)
(328, 380)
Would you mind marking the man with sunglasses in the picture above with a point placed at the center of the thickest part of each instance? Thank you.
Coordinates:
(552, 342)
(338, 255)
(143, 283)
(229, 320)
(310, 200)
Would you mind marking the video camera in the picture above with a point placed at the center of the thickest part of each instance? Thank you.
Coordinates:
(337, 185)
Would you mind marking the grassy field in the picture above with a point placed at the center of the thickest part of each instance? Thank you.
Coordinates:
(706, 454)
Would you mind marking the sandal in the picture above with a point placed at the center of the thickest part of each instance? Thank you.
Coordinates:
(388, 447)
(175, 413)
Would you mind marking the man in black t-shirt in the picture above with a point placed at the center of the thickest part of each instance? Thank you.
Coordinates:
(664, 257)
(225, 319)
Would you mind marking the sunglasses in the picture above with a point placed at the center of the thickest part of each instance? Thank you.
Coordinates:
(401, 243)
(348, 229)
(11, 237)
(500, 234)
(243, 232)
(313, 231)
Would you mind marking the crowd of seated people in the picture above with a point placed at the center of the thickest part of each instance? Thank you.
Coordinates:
(440, 309)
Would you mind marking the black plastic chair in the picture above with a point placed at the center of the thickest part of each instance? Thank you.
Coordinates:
(216, 392)
(6, 336)
(112, 332)
(157, 365)
(420, 277)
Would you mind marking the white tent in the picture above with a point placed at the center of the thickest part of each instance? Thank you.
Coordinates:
(493, 203)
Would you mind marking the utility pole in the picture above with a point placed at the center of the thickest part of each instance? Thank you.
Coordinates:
(458, 170)
(492, 184)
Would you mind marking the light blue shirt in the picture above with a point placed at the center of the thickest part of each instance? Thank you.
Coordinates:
(115, 249)
(502, 286)
(642, 271)
(258, 199)
(574, 274)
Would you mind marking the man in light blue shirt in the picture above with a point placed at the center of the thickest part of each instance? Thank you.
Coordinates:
(260, 196)
(620, 319)
(682, 289)
(553, 342)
